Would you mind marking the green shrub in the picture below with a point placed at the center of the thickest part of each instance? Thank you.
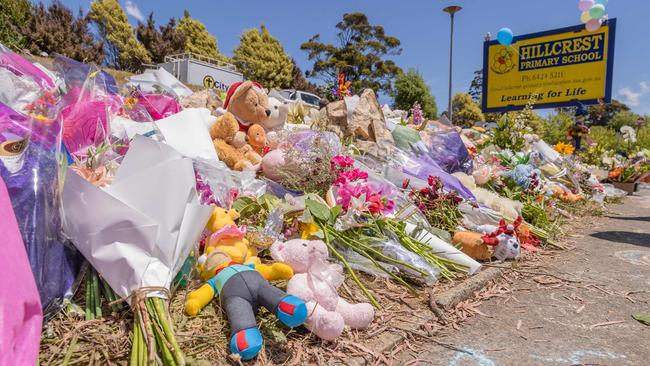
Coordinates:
(604, 136)
(556, 128)
(643, 137)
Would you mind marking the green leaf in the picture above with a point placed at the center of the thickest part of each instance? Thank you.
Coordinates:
(334, 213)
(317, 209)
(642, 318)
(270, 201)
(247, 206)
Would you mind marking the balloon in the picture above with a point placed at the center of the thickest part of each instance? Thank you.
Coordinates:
(593, 25)
(585, 5)
(597, 11)
(584, 17)
(602, 2)
(505, 36)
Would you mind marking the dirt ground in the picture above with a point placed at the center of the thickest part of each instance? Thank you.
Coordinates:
(580, 314)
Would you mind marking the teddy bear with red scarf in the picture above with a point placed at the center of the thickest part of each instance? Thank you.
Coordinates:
(249, 104)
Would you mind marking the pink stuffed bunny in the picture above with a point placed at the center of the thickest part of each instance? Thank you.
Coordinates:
(316, 281)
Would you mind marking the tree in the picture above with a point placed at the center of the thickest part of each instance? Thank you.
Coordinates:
(123, 49)
(362, 50)
(476, 87)
(261, 57)
(466, 112)
(299, 82)
(56, 30)
(162, 41)
(14, 15)
(601, 114)
(198, 40)
(410, 88)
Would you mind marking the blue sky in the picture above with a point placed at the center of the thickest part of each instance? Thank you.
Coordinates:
(423, 29)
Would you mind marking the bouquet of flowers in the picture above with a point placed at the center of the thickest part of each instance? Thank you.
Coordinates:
(140, 237)
(440, 208)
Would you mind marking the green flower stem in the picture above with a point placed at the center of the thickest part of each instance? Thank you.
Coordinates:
(347, 266)
(339, 236)
(89, 314)
(96, 294)
(370, 258)
(167, 330)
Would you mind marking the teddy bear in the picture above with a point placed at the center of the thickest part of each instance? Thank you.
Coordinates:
(275, 122)
(316, 282)
(503, 238)
(249, 104)
(223, 133)
(242, 289)
(256, 137)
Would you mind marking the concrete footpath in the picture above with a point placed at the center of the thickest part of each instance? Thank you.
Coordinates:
(582, 316)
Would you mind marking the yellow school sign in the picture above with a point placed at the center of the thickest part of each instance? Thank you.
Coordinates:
(550, 69)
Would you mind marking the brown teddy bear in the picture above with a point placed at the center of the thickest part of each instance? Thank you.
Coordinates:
(248, 102)
(257, 138)
(223, 132)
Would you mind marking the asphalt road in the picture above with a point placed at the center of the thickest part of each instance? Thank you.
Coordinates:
(584, 321)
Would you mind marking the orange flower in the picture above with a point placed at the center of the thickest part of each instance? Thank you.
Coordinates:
(615, 173)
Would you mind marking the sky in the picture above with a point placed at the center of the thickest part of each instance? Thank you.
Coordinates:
(423, 29)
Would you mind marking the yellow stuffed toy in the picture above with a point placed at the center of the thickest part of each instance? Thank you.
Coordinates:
(221, 218)
(230, 239)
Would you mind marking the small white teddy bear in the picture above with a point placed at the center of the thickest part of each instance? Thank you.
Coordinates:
(275, 122)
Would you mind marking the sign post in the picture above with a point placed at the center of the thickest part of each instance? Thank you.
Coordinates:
(556, 68)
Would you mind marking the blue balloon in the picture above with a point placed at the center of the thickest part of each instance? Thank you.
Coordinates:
(505, 36)
(601, 2)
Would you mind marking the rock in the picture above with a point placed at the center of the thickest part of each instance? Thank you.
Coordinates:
(203, 99)
(336, 114)
(367, 122)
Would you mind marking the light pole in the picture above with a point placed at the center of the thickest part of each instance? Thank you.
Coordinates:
(451, 10)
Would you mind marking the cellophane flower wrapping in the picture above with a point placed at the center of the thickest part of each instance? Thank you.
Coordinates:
(447, 149)
(159, 106)
(29, 166)
(85, 109)
(20, 305)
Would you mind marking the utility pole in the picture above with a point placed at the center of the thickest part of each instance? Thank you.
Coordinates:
(451, 10)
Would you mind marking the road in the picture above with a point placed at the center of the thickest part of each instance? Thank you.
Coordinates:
(581, 317)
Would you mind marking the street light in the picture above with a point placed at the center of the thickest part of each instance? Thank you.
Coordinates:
(451, 10)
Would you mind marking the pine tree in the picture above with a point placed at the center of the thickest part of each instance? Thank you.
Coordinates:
(261, 57)
(123, 49)
(410, 88)
(56, 30)
(14, 14)
(162, 41)
(198, 40)
(361, 50)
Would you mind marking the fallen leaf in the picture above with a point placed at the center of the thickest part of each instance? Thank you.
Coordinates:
(642, 318)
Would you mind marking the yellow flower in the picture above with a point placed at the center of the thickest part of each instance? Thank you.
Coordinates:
(564, 149)
(308, 230)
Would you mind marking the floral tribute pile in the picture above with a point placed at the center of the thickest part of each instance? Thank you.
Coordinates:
(121, 198)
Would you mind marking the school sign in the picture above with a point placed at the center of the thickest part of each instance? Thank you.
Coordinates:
(549, 69)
